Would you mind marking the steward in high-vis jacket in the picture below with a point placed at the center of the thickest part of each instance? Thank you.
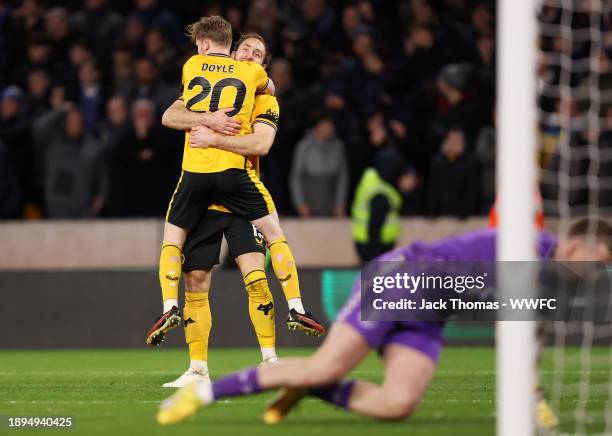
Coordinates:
(376, 206)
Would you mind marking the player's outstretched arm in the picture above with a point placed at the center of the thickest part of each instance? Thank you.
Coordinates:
(257, 143)
(178, 117)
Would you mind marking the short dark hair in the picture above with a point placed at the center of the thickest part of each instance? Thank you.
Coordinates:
(90, 63)
(257, 36)
(39, 39)
(425, 27)
(215, 28)
(595, 227)
(320, 115)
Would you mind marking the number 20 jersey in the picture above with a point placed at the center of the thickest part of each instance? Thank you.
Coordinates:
(214, 82)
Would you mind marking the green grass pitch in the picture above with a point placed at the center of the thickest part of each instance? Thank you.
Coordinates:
(116, 392)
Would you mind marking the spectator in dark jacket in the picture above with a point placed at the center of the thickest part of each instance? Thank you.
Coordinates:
(411, 186)
(422, 59)
(364, 73)
(100, 25)
(21, 24)
(485, 153)
(116, 126)
(80, 53)
(39, 57)
(143, 167)
(14, 133)
(57, 25)
(262, 17)
(162, 53)
(11, 199)
(274, 168)
(76, 180)
(122, 70)
(154, 14)
(147, 85)
(319, 175)
(39, 89)
(453, 184)
(90, 96)
(454, 106)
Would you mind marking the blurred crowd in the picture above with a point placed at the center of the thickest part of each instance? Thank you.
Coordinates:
(83, 85)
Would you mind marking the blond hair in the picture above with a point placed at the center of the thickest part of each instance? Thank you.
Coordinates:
(214, 28)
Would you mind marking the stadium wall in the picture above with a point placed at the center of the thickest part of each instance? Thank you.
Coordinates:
(84, 284)
(111, 244)
(114, 309)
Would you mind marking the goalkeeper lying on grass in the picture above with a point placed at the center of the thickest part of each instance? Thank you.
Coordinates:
(409, 349)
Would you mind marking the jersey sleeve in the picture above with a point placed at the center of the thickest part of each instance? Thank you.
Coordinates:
(181, 86)
(266, 111)
(261, 77)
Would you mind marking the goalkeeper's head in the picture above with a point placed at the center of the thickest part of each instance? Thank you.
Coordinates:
(588, 239)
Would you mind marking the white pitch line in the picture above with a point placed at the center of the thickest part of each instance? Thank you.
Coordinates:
(354, 373)
(225, 401)
(77, 402)
(109, 402)
(131, 373)
(118, 373)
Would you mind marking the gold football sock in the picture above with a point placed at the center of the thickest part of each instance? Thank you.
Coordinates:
(198, 322)
(284, 268)
(169, 271)
(261, 307)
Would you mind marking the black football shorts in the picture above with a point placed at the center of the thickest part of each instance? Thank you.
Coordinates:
(239, 190)
(203, 245)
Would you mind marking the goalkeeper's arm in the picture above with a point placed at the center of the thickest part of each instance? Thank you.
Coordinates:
(178, 117)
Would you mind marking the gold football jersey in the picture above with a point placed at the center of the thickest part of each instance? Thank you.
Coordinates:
(266, 111)
(212, 82)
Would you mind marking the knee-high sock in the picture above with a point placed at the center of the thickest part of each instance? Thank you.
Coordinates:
(261, 307)
(170, 271)
(198, 322)
(284, 268)
(237, 384)
(337, 393)
(246, 382)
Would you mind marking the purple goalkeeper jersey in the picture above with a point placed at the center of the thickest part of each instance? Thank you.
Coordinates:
(478, 245)
(426, 336)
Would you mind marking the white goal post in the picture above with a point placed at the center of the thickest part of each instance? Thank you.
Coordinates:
(516, 181)
(554, 102)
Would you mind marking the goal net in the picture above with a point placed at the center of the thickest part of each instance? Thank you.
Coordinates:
(574, 86)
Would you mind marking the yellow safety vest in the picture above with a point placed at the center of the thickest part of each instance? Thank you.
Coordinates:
(371, 185)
